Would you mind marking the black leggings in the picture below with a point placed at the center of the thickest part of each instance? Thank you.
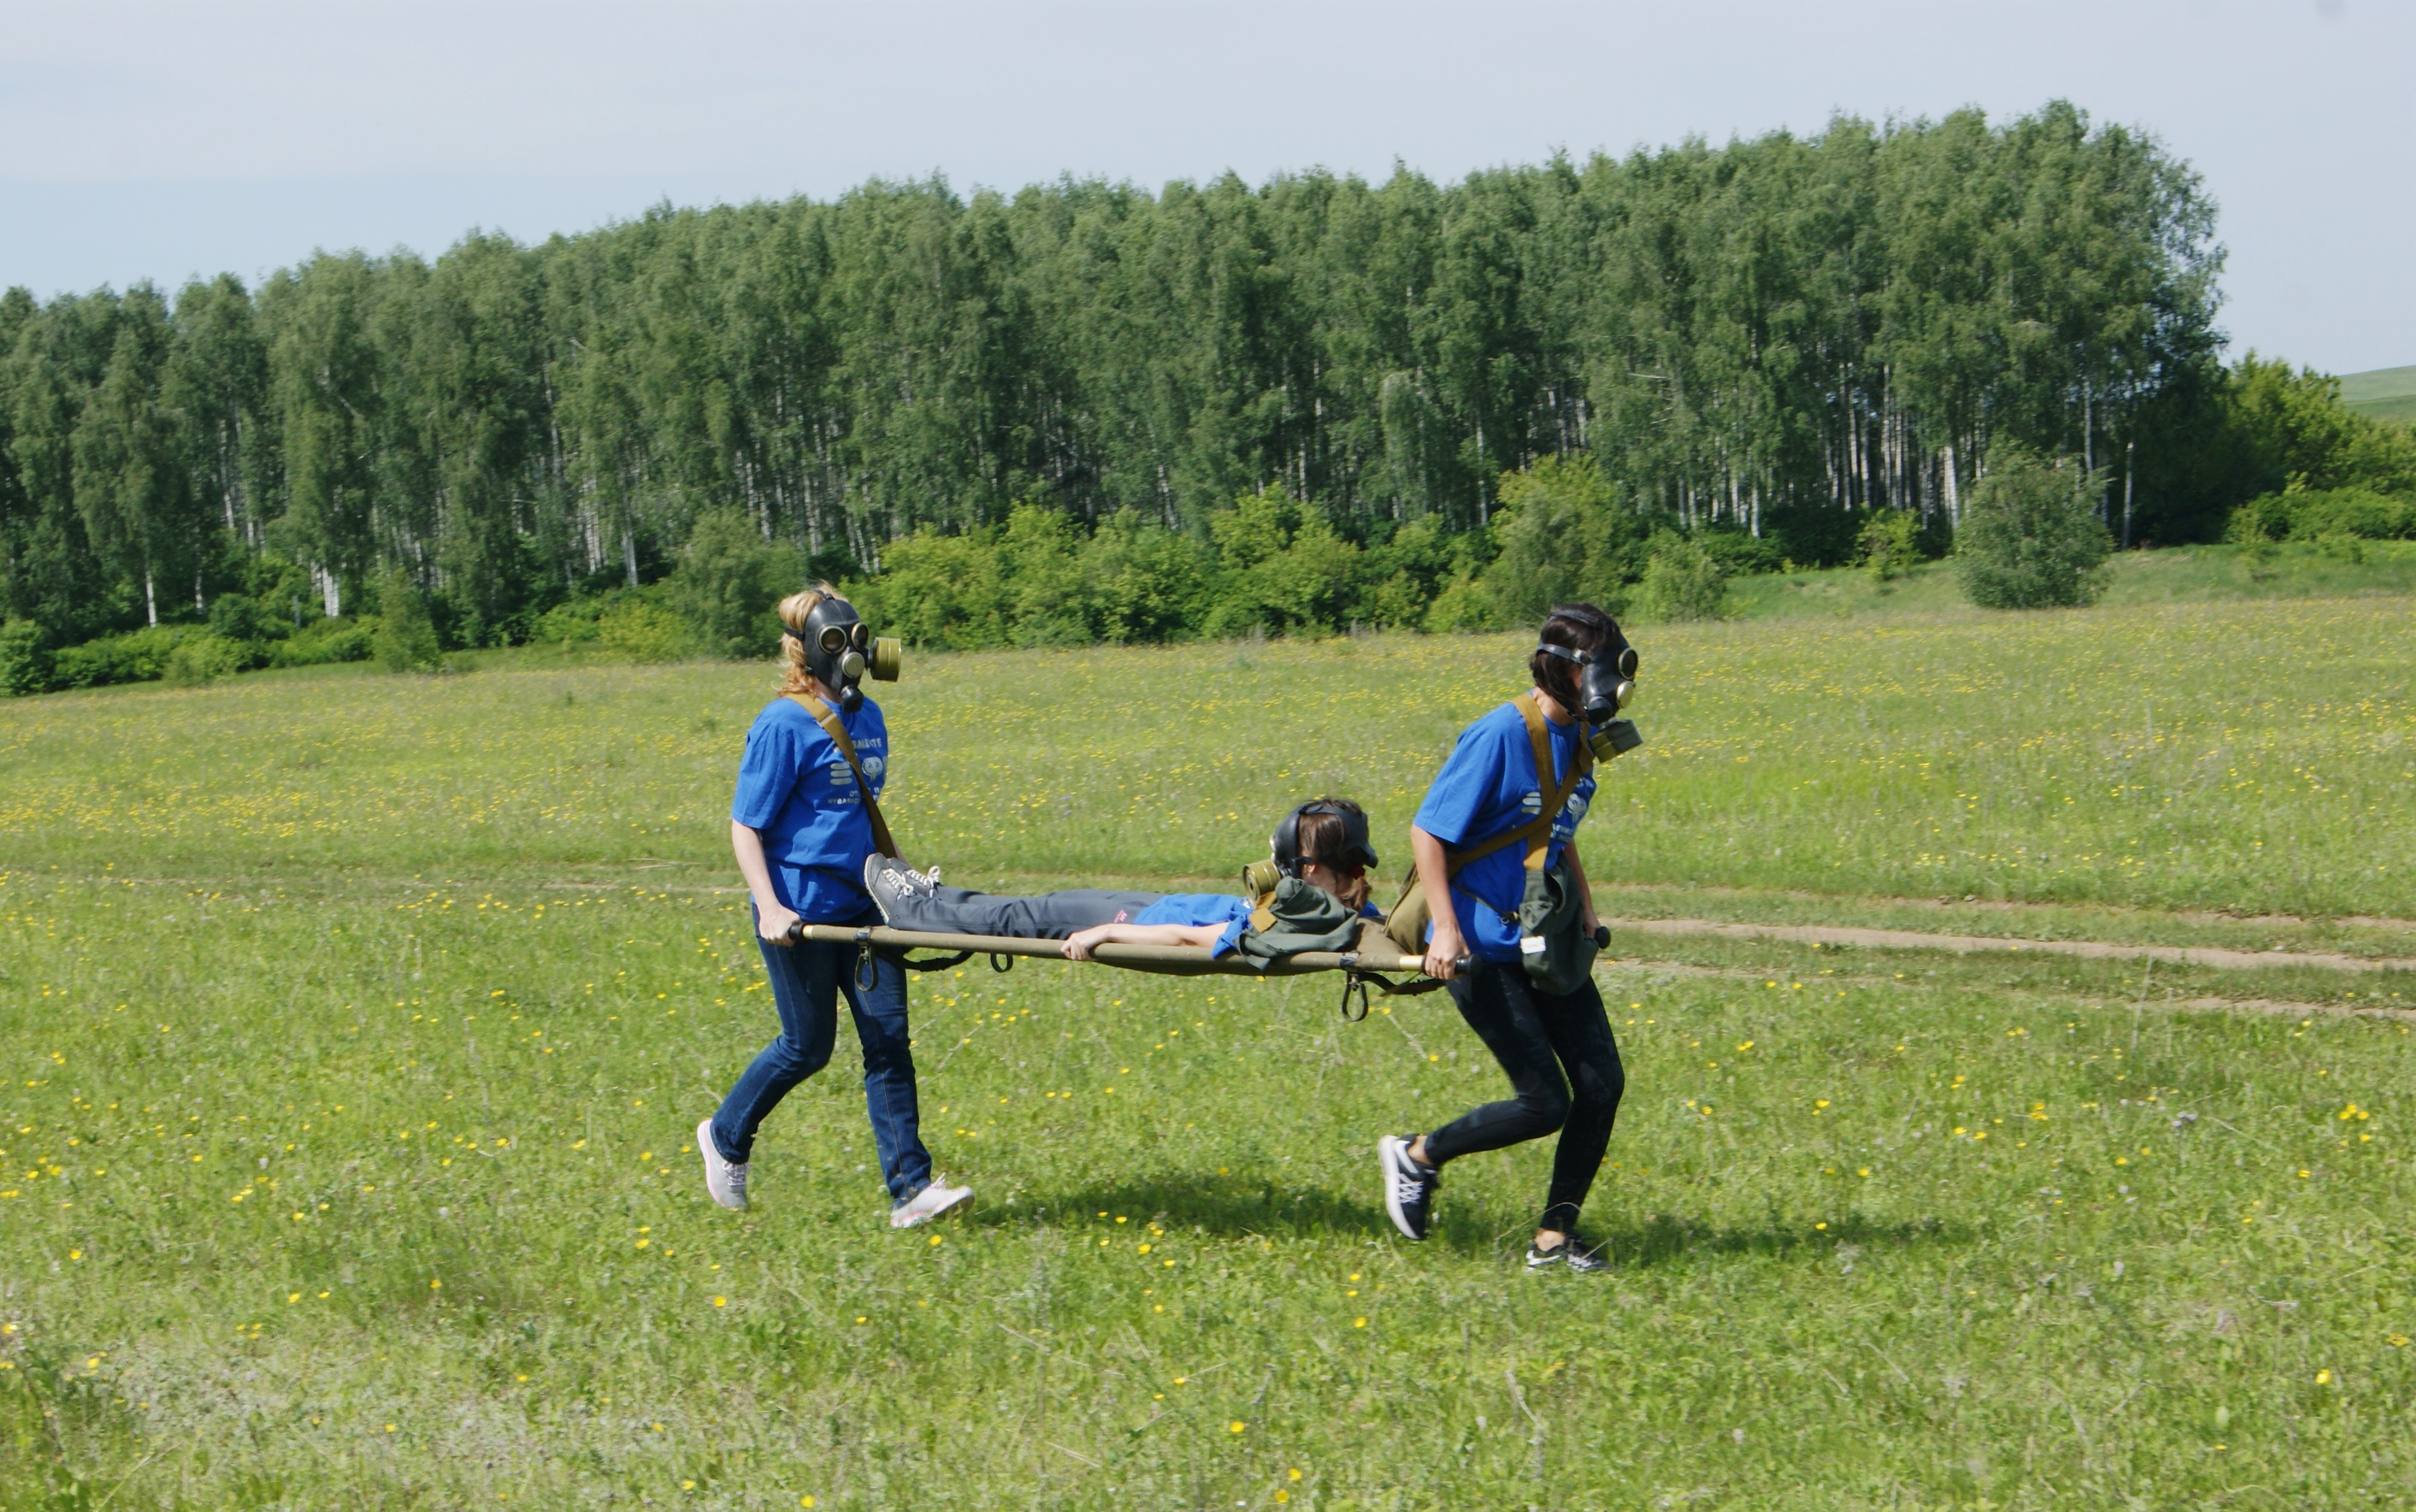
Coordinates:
(1533, 1035)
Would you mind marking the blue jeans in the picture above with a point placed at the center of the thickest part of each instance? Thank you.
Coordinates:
(807, 979)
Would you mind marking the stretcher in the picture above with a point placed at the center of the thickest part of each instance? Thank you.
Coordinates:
(1362, 970)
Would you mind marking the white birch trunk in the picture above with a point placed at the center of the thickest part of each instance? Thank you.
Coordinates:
(2128, 447)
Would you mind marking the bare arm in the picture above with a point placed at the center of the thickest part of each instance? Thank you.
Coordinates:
(1445, 945)
(772, 917)
(1077, 947)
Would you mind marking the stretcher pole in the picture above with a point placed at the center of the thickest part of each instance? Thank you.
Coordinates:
(1169, 961)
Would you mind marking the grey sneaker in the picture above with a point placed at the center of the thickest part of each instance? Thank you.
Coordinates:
(891, 881)
(929, 1203)
(1408, 1186)
(725, 1179)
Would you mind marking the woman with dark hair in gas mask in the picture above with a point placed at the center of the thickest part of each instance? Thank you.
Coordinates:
(1323, 843)
(1497, 835)
(805, 818)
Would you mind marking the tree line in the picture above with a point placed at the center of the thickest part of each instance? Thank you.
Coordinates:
(1754, 348)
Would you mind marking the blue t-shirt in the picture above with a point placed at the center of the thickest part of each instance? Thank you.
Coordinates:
(1216, 908)
(795, 789)
(1486, 786)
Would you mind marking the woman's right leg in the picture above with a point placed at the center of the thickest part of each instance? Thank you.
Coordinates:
(1499, 1004)
(1047, 916)
(805, 989)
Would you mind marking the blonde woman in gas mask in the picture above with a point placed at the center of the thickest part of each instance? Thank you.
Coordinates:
(802, 824)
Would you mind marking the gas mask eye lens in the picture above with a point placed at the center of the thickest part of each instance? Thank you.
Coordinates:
(1627, 661)
(861, 635)
(833, 639)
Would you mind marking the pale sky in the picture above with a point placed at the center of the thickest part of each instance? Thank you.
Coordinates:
(145, 139)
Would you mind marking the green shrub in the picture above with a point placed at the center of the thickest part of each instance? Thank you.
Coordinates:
(1465, 605)
(636, 631)
(1141, 582)
(323, 641)
(204, 658)
(727, 583)
(135, 656)
(24, 658)
(405, 637)
(2030, 538)
(1566, 535)
(234, 616)
(2360, 513)
(1742, 555)
(571, 623)
(947, 592)
(1890, 543)
(2304, 514)
(1682, 580)
(1283, 568)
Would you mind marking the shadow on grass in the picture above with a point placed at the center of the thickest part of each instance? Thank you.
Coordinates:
(1232, 1205)
(1221, 1204)
(1635, 1243)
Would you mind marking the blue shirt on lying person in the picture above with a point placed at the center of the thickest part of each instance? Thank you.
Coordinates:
(1214, 908)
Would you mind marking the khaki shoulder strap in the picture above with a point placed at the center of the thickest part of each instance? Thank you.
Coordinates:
(1536, 832)
(829, 721)
(1263, 913)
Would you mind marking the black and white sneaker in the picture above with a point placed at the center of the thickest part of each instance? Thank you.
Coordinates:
(1409, 1185)
(1568, 1253)
(891, 883)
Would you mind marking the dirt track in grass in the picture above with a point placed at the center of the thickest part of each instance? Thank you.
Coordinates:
(1968, 944)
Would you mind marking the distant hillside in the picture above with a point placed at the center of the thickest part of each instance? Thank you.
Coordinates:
(2386, 393)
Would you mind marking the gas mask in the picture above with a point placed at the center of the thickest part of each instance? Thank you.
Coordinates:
(839, 650)
(1606, 681)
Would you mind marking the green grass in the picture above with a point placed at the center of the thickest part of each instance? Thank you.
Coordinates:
(354, 1029)
(2385, 393)
(2399, 409)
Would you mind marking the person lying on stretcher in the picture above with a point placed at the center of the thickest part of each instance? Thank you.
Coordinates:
(1321, 844)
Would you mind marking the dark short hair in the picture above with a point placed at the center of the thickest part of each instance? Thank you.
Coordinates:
(1579, 627)
(1323, 833)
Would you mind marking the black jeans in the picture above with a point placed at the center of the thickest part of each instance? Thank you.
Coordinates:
(1535, 1036)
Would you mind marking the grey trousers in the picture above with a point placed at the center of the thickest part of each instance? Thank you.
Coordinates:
(1047, 916)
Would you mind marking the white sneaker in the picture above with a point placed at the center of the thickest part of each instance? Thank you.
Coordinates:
(929, 1203)
(725, 1179)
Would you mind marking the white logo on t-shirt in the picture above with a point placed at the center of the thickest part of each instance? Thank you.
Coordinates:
(1532, 803)
(872, 769)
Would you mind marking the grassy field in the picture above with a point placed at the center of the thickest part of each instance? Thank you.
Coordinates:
(2385, 393)
(354, 1029)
